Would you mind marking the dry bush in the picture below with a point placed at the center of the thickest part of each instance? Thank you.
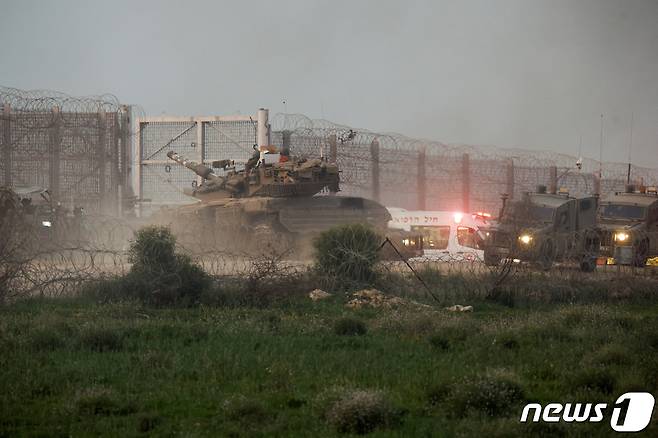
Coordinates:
(361, 412)
(494, 394)
(350, 327)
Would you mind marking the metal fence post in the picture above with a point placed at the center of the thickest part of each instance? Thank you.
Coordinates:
(374, 156)
(100, 157)
(466, 183)
(509, 186)
(124, 162)
(333, 149)
(6, 141)
(55, 139)
(333, 153)
(200, 146)
(597, 183)
(552, 184)
(421, 181)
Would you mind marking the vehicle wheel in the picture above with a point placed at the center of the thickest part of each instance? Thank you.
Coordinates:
(491, 259)
(547, 254)
(641, 254)
(588, 264)
(591, 243)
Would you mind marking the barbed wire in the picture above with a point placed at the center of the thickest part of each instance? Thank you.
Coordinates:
(450, 170)
(76, 147)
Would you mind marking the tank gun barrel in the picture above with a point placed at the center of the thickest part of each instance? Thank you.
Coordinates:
(203, 171)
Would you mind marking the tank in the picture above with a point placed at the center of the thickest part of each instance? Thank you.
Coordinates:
(274, 201)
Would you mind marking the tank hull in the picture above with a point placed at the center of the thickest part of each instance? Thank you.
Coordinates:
(254, 224)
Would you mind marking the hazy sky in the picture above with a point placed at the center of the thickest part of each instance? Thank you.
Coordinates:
(530, 74)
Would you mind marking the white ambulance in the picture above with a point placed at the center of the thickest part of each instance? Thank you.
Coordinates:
(442, 235)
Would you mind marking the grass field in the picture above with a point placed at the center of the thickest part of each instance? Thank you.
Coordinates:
(73, 367)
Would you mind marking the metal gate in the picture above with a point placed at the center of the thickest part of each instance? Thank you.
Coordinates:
(159, 181)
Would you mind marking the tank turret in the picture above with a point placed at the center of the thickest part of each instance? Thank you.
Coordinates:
(270, 175)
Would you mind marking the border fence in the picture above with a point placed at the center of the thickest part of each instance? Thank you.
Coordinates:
(81, 149)
(77, 148)
(400, 171)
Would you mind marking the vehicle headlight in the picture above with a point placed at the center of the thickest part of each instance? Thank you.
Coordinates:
(525, 239)
(47, 224)
(621, 236)
(405, 242)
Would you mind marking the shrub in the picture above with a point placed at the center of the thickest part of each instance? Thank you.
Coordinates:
(595, 379)
(95, 400)
(451, 336)
(101, 339)
(362, 412)
(348, 252)
(153, 249)
(43, 339)
(350, 327)
(437, 393)
(508, 341)
(611, 354)
(493, 394)
(146, 422)
(440, 342)
(245, 410)
(159, 276)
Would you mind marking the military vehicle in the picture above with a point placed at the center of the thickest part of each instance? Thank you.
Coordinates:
(269, 202)
(544, 228)
(34, 208)
(629, 226)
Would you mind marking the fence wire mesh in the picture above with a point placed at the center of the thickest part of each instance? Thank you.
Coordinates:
(423, 174)
(77, 148)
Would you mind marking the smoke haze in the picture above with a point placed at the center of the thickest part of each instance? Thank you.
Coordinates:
(513, 73)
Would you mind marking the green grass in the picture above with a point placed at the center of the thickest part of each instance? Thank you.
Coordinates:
(74, 367)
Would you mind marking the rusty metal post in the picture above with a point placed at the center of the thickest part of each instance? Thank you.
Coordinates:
(124, 134)
(421, 181)
(100, 160)
(374, 157)
(466, 183)
(115, 165)
(6, 142)
(55, 139)
(333, 149)
(509, 186)
(597, 183)
(552, 183)
(285, 139)
(333, 153)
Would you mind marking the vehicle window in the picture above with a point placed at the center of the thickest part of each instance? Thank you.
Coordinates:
(585, 204)
(529, 212)
(543, 214)
(434, 237)
(467, 237)
(653, 215)
(563, 218)
(619, 211)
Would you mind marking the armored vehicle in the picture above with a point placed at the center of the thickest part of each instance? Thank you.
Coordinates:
(629, 226)
(32, 206)
(544, 228)
(269, 202)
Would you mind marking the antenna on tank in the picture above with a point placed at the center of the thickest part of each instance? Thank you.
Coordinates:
(601, 151)
(630, 151)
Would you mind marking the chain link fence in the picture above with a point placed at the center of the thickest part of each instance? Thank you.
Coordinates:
(77, 148)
